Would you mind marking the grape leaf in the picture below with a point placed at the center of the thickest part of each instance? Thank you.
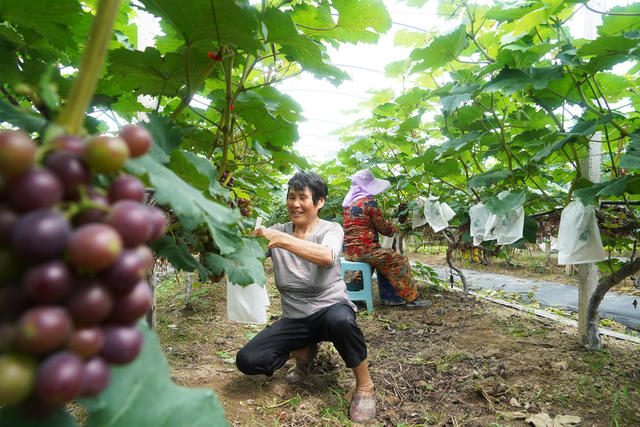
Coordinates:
(631, 158)
(502, 206)
(242, 268)
(613, 187)
(441, 50)
(19, 118)
(488, 178)
(142, 394)
(189, 204)
(179, 255)
(299, 47)
(235, 22)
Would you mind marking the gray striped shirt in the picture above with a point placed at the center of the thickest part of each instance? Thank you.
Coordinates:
(306, 287)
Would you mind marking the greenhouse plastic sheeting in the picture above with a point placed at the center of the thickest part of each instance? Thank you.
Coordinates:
(579, 236)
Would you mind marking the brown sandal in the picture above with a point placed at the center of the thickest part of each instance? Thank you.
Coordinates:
(363, 406)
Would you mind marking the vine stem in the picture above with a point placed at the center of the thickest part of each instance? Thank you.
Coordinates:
(75, 109)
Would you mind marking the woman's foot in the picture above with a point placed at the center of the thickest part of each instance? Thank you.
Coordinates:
(301, 369)
(363, 406)
(417, 303)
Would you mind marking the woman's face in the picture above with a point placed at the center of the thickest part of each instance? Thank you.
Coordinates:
(300, 206)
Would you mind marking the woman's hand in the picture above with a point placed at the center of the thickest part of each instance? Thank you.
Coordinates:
(277, 239)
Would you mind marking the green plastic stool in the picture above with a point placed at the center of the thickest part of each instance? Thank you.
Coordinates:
(366, 292)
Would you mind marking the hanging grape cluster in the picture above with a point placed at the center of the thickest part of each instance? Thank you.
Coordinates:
(73, 263)
(403, 212)
(244, 205)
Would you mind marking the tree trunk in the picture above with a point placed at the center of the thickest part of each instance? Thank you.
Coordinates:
(465, 286)
(187, 293)
(593, 338)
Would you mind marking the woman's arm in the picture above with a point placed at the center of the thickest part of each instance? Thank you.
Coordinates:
(381, 225)
(312, 252)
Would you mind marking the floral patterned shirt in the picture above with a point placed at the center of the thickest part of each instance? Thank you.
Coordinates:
(362, 223)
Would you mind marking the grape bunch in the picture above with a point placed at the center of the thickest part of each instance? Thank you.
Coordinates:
(226, 180)
(245, 207)
(73, 264)
(403, 213)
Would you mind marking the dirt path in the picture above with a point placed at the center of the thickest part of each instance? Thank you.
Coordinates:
(460, 362)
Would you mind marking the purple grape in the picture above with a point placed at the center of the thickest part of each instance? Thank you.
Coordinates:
(48, 282)
(122, 344)
(127, 270)
(158, 222)
(126, 187)
(96, 377)
(131, 219)
(17, 152)
(86, 342)
(146, 254)
(133, 305)
(41, 234)
(8, 219)
(94, 247)
(90, 304)
(70, 143)
(36, 189)
(70, 170)
(60, 378)
(43, 329)
(93, 214)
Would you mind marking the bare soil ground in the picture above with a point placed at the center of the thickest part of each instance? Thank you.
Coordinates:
(462, 361)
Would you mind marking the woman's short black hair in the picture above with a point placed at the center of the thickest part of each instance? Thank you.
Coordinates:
(311, 180)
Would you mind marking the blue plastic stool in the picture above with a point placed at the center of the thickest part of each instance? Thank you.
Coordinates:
(366, 292)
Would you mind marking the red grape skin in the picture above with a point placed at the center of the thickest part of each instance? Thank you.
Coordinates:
(137, 138)
(158, 221)
(131, 219)
(95, 378)
(17, 152)
(93, 214)
(90, 304)
(133, 305)
(86, 342)
(36, 189)
(126, 187)
(122, 344)
(146, 255)
(127, 270)
(70, 170)
(94, 247)
(106, 154)
(60, 377)
(48, 282)
(41, 235)
(70, 143)
(43, 329)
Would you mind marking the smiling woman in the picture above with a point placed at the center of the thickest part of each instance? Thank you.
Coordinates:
(315, 306)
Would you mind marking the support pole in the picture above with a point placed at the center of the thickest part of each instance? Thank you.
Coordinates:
(588, 274)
